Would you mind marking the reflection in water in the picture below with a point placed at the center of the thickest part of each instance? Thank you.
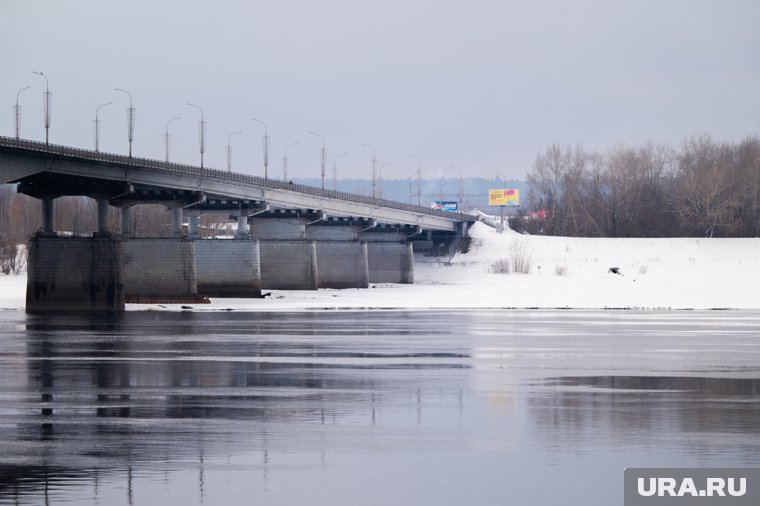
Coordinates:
(173, 386)
(376, 407)
(628, 406)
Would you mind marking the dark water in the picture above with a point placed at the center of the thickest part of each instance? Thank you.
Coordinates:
(385, 408)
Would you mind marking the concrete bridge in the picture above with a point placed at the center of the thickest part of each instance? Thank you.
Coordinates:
(288, 236)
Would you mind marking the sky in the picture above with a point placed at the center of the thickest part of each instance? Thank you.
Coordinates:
(475, 88)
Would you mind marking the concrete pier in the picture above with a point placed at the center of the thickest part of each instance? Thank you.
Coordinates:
(289, 265)
(228, 268)
(159, 270)
(74, 274)
(390, 262)
(342, 264)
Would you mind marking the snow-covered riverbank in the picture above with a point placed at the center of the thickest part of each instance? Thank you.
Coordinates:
(564, 273)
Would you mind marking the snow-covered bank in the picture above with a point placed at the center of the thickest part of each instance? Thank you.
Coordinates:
(564, 273)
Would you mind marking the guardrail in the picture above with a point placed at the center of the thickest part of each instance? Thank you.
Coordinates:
(220, 175)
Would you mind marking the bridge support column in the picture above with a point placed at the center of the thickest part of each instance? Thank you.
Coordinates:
(342, 264)
(192, 223)
(125, 220)
(390, 262)
(242, 225)
(226, 268)
(288, 260)
(159, 270)
(289, 264)
(103, 216)
(390, 257)
(48, 211)
(177, 221)
(74, 274)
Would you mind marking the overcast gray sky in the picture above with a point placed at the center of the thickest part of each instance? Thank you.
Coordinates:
(482, 85)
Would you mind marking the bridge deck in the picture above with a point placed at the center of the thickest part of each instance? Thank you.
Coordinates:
(22, 159)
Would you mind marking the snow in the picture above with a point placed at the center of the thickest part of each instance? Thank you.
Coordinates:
(655, 274)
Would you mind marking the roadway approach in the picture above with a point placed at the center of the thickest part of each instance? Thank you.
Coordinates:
(289, 236)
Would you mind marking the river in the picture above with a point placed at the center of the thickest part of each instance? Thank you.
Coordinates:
(369, 407)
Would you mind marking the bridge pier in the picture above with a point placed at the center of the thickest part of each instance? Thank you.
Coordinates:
(159, 270)
(228, 268)
(125, 220)
(102, 216)
(341, 257)
(288, 260)
(390, 259)
(74, 274)
(242, 225)
(342, 264)
(177, 220)
(289, 264)
(48, 211)
(192, 223)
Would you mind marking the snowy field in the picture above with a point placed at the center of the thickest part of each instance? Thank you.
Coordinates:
(654, 274)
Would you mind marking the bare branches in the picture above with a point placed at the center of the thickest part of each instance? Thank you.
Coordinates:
(702, 189)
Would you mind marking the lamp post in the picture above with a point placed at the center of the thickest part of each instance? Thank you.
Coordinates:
(201, 132)
(229, 149)
(130, 120)
(323, 156)
(97, 126)
(461, 187)
(335, 171)
(47, 101)
(374, 170)
(17, 111)
(419, 179)
(285, 161)
(266, 148)
(380, 179)
(167, 138)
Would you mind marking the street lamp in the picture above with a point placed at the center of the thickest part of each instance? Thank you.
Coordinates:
(167, 137)
(285, 161)
(419, 180)
(266, 148)
(374, 170)
(97, 126)
(380, 179)
(17, 111)
(335, 171)
(201, 132)
(130, 120)
(323, 156)
(229, 149)
(47, 100)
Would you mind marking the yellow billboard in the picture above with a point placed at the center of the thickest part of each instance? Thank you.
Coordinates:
(509, 197)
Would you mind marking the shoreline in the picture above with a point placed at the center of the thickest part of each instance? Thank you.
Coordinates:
(679, 274)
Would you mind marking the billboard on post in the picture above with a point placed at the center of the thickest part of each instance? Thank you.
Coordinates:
(507, 197)
(445, 205)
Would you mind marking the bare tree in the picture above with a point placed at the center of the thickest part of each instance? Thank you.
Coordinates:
(703, 190)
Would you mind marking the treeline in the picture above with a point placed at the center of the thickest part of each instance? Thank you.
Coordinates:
(703, 188)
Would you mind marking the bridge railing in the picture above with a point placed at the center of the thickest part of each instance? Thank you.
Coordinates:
(236, 177)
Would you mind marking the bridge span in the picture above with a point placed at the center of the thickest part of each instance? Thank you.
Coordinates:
(289, 236)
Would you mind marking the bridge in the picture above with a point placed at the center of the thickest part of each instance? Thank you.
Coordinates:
(289, 236)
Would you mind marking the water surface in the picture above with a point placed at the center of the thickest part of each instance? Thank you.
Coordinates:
(345, 408)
